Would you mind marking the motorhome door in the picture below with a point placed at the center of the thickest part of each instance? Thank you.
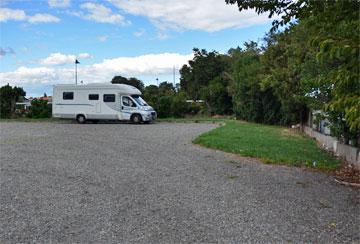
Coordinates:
(127, 107)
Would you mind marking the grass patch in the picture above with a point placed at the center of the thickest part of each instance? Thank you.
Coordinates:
(272, 144)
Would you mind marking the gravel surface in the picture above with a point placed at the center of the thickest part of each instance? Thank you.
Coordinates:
(123, 183)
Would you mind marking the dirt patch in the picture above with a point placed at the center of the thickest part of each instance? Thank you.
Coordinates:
(348, 174)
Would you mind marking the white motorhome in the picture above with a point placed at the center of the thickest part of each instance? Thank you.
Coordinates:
(100, 102)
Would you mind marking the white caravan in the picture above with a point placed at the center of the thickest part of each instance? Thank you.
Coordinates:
(100, 102)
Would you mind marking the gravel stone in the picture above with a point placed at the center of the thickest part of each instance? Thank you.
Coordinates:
(124, 183)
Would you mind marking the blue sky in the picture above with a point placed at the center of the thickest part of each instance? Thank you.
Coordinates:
(41, 38)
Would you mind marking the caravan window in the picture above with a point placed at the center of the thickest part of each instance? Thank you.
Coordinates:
(93, 96)
(126, 101)
(68, 95)
(109, 98)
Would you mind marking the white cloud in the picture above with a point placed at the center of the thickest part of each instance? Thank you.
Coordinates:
(139, 33)
(99, 13)
(61, 59)
(150, 64)
(102, 38)
(59, 3)
(207, 15)
(11, 14)
(144, 65)
(84, 55)
(19, 15)
(43, 18)
(26, 76)
(162, 36)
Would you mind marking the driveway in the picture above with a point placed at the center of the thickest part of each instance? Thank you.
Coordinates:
(123, 183)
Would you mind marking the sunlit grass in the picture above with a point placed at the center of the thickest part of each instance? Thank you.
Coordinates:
(272, 144)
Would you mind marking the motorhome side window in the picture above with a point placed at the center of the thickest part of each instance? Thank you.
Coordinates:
(68, 95)
(109, 98)
(128, 102)
(93, 96)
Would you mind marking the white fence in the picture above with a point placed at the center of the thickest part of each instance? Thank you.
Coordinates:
(349, 153)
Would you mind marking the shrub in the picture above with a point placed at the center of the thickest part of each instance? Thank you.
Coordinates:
(194, 108)
(163, 106)
(179, 107)
(39, 109)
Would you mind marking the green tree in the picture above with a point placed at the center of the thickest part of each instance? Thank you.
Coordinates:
(287, 10)
(216, 96)
(9, 96)
(250, 102)
(131, 81)
(204, 78)
(315, 61)
(285, 53)
(204, 67)
(166, 88)
(151, 94)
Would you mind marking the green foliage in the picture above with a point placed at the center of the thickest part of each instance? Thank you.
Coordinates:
(204, 67)
(163, 106)
(166, 100)
(151, 94)
(285, 54)
(40, 109)
(194, 108)
(204, 79)
(131, 81)
(166, 88)
(216, 97)
(9, 96)
(250, 102)
(272, 144)
(314, 62)
(178, 105)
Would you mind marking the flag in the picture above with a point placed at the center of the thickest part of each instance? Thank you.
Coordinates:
(76, 61)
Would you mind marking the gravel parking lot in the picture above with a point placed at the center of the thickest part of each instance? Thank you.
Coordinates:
(123, 183)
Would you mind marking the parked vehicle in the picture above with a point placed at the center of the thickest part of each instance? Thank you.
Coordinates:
(101, 102)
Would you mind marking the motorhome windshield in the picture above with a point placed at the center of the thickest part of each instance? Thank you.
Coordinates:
(139, 100)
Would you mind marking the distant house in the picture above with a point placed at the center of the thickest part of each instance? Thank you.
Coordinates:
(47, 98)
(26, 103)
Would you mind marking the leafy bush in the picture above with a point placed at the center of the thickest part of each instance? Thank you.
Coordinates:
(178, 105)
(163, 106)
(166, 100)
(195, 108)
(39, 109)
(216, 97)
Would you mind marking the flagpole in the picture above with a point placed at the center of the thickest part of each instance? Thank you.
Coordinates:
(174, 75)
(76, 72)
